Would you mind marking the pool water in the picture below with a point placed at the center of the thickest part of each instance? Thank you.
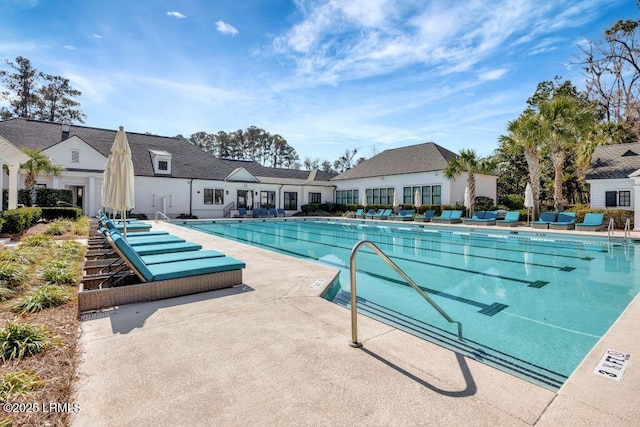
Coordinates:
(532, 304)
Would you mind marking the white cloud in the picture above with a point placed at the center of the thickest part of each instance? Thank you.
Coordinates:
(69, 47)
(175, 14)
(97, 36)
(226, 29)
(495, 74)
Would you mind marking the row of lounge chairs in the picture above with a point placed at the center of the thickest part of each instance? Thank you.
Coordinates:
(567, 221)
(260, 213)
(149, 265)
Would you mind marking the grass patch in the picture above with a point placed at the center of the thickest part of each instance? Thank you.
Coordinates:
(59, 273)
(12, 274)
(18, 384)
(20, 340)
(6, 293)
(46, 296)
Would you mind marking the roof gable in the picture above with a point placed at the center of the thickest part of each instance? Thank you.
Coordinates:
(86, 158)
(241, 175)
(614, 161)
(427, 157)
(10, 154)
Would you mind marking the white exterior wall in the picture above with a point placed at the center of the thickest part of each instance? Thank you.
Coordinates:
(452, 191)
(598, 188)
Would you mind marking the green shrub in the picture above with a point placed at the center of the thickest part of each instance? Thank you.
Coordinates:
(512, 202)
(18, 384)
(37, 240)
(18, 220)
(50, 213)
(484, 203)
(46, 296)
(59, 272)
(12, 274)
(18, 340)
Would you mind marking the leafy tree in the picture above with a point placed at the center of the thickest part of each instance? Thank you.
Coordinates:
(563, 122)
(29, 98)
(344, 162)
(326, 166)
(468, 162)
(39, 163)
(55, 101)
(20, 88)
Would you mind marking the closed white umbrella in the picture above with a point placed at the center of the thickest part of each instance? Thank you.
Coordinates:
(467, 198)
(364, 200)
(395, 200)
(417, 200)
(119, 194)
(528, 199)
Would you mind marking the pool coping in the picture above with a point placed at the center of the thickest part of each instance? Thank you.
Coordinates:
(318, 331)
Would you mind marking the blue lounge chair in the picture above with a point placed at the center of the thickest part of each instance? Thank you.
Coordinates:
(281, 212)
(242, 213)
(477, 215)
(382, 214)
(426, 217)
(454, 218)
(545, 219)
(370, 213)
(565, 221)
(359, 213)
(272, 213)
(405, 215)
(511, 219)
(592, 222)
(483, 218)
(180, 256)
(445, 214)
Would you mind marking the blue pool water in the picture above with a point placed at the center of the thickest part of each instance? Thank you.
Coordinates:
(532, 304)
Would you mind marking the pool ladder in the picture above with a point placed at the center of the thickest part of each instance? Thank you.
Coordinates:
(354, 309)
(627, 229)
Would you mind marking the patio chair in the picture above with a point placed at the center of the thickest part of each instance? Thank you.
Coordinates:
(426, 217)
(359, 213)
(445, 214)
(511, 219)
(486, 218)
(242, 213)
(272, 213)
(454, 218)
(592, 222)
(545, 219)
(382, 214)
(477, 215)
(370, 213)
(281, 212)
(405, 215)
(565, 221)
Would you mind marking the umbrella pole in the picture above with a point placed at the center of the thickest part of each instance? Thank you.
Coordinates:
(124, 218)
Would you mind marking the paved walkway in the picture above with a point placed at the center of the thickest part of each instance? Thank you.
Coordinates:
(271, 352)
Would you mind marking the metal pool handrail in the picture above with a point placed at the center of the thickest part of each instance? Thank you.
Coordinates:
(162, 215)
(627, 229)
(610, 229)
(354, 310)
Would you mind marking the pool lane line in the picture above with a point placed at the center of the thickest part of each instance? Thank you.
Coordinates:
(555, 326)
(534, 284)
(445, 335)
(375, 230)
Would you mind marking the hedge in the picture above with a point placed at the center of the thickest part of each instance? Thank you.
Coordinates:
(63, 213)
(44, 197)
(18, 220)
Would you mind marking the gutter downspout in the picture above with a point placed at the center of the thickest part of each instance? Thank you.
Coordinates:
(280, 195)
(191, 197)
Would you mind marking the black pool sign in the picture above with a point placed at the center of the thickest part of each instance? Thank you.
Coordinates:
(612, 364)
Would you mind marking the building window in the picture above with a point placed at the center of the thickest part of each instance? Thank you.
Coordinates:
(163, 165)
(290, 201)
(429, 195)
(610, 199)
(268, 199)
(346, 197)
(75, 156)
(315, 197)
(436, 195)
(624, 198)
(213, 196)
(380, 196)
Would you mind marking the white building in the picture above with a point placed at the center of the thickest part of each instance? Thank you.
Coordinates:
(172, 176)
(614, 179)
(404, 171)
(175, 177)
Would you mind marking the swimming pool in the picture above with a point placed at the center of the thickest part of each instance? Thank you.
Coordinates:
(531, 303)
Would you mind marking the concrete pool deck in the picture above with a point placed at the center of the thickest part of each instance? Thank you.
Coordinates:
(271, 352)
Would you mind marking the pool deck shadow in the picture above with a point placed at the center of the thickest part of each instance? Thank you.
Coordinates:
(276, 353)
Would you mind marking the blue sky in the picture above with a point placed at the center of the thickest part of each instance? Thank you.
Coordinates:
(326, 75)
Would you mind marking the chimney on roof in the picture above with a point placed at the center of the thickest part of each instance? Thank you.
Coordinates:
(66, 125)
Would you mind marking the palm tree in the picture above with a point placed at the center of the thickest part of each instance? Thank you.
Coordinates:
(525, 133)
(564, 121)
(469, 162)
(38, 164)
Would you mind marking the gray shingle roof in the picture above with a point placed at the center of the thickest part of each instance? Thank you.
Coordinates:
(425, 157)
(614, 161)
(188, 161)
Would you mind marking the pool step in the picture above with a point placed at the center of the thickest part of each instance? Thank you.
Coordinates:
(521, 368)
